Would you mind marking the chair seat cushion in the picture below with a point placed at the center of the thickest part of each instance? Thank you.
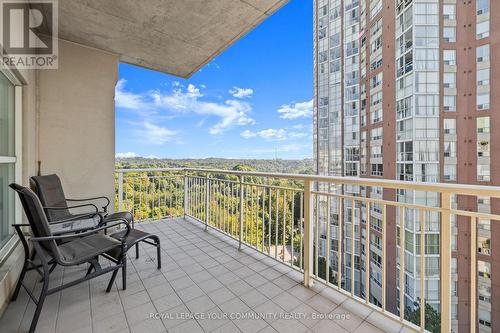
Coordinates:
(82, 249)
(119, 215)
(74, 226)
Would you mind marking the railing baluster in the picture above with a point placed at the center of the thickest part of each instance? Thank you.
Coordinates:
(402, 235)
(473, 273)
(301, 221)
(284, 225)
(207, 200)
(422, 270)
(384, 257)
(353, 243)
(276, 232)
(316, 235)
(242, 178)
(292, 229)
(367, 253)
(445, 262)
(308, 233)
(328, 223)
(185, 195)
(269, 222)
(340, 255)
(120, 191)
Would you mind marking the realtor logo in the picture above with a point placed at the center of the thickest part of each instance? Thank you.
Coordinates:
(29, 34)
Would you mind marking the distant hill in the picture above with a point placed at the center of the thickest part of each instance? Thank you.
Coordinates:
(304, 166)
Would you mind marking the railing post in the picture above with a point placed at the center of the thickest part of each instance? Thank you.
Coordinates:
(240, 238)
(207, 200)
(185, 194)
(120, 191)
(308, 233)
(445, 264)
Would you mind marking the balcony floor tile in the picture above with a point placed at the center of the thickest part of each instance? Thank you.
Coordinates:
(204, 282)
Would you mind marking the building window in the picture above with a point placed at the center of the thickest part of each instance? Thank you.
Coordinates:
(483, 101)
(449, 12)
(482, 7)
(450, 126)
(450, 149)
(483, 53)
(8, 159)
(449, 103)
(483, 172)
(482, 29)
(483, 148)
(449, 57)
(377, 169)
(449, 34)
(449, 80)
(483, 77)
(450, 172)
(483, 124)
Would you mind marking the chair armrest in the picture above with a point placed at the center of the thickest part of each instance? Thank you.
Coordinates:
(96, 210)
(78, 217)
(105, 207)
(83, 234)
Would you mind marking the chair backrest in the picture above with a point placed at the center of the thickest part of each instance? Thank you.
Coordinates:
(36, 217)
(50, 191)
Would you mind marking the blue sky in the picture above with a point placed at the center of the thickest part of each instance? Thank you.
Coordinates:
(252, 101)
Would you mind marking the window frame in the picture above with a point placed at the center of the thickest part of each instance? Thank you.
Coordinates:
(13, 239)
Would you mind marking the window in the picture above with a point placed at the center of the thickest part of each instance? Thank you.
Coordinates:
(483, 148)
(449, 103)
(449, 12)
(483, 77)
(483, 53)
(8, 162)
(483, 101)
(450, 172)
(482, 29)
(483, 172)
(449, 80)
(482, 7)
(449, 34)
(450, 126)
(483, 124)
(377, 169)
(449, 57)
(450, 149)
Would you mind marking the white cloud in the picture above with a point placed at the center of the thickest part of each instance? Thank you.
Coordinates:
(129, 154)
(229, 113)
(296, 110)
(272, 134)
(155, 134)
(128, 100)
(241, 92)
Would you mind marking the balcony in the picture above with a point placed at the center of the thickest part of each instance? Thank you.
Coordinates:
(205, 286)
(248, 251)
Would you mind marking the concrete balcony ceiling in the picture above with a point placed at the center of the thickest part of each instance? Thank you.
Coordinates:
(171, 36)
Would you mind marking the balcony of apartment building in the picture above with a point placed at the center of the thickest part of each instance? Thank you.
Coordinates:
(242, 251)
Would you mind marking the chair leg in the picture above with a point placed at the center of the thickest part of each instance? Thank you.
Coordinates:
(158, 252)
(110, 284)
(124, 268)
(43, 295)
(19, 281)
(136, 250)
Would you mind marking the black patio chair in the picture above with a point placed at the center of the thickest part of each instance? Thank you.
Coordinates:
(77, 249)
(50, 191)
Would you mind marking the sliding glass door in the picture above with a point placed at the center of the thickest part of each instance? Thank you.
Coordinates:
(8, 157)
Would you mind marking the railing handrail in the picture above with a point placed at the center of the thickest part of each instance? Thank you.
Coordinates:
(462, 189)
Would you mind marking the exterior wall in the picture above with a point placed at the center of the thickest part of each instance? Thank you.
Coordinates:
(77, 120)
(68, 124)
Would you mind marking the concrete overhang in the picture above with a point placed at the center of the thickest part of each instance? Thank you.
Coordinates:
(172, 36)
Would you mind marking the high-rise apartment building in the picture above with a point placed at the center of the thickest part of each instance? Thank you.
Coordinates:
(403, 90)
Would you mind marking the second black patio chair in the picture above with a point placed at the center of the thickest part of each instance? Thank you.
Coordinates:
(50, 191)
(65, 250)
